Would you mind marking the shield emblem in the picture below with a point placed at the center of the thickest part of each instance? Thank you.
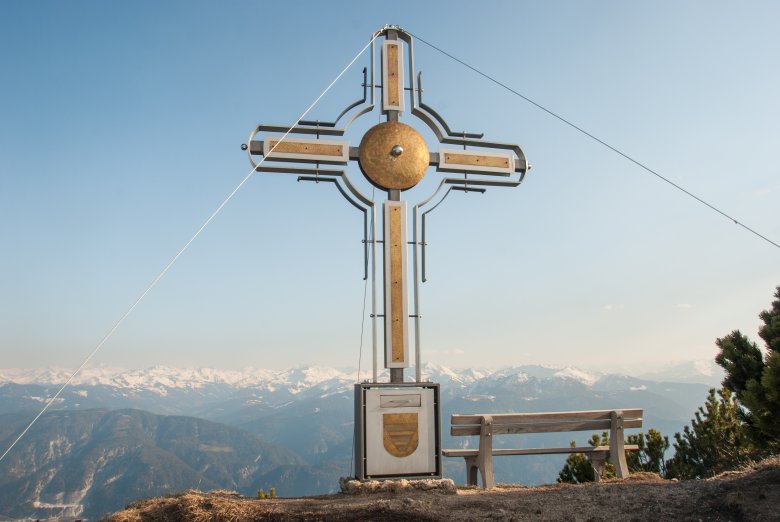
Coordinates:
(401, 434)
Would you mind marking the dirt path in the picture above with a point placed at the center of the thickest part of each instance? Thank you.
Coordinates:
(747, 495)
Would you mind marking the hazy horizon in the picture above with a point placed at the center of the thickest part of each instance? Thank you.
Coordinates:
(703, 367)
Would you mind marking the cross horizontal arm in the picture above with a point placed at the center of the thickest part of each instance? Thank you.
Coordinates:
(300, 129)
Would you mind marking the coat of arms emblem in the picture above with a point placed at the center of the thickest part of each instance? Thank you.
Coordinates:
(401, 433)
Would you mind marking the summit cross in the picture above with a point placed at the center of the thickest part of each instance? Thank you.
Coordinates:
(393, 157)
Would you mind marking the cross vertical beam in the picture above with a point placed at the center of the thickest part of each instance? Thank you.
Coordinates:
(396, 301)
(396, 296)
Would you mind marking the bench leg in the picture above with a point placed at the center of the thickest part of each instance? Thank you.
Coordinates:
(485, 457)
(486, 469)
(472, 470)
(598, 462)
(617, 451)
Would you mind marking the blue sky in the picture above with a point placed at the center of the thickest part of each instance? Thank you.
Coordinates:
(120, 127)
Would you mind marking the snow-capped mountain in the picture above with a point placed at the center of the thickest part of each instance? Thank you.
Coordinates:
(273, 385)
(293, 379)
(239, 396)
(158, 377)
(307, 411)
(705, 371)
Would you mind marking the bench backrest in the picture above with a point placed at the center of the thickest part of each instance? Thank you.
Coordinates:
(504, 423)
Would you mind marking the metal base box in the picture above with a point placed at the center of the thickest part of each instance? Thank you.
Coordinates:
(397, 431)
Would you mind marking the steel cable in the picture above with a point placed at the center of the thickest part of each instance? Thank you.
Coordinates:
(600, 141)
(162, 273)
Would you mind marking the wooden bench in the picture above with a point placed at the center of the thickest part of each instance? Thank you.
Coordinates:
(486, 426)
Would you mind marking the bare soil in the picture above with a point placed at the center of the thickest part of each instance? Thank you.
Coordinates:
(749, 494)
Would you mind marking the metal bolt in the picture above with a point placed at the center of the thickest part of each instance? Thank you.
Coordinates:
(396, 151)
(243, 146)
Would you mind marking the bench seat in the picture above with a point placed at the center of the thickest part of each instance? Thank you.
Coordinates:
(487, 425)
(536, 451)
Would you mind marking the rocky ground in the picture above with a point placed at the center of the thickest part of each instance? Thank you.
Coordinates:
(750, 494)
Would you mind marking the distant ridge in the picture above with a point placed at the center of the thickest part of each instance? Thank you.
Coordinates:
(301, 377)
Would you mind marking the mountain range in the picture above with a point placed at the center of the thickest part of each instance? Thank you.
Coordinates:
(117, 435)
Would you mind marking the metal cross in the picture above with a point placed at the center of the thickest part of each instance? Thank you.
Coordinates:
(393, 157)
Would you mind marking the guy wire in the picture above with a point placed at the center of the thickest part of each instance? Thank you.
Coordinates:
(154, 282)
(598, 140)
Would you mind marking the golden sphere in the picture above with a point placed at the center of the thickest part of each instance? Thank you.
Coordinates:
(393, 156)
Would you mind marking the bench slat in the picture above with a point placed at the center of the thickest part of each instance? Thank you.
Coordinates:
(513, 418)
(534, 451)
(548, 427)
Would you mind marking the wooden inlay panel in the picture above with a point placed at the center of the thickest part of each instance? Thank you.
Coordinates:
(393, 96)
(396, 285)
(479, 161)
(297, 147)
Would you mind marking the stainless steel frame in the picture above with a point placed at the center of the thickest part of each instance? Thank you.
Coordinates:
(363, 450)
